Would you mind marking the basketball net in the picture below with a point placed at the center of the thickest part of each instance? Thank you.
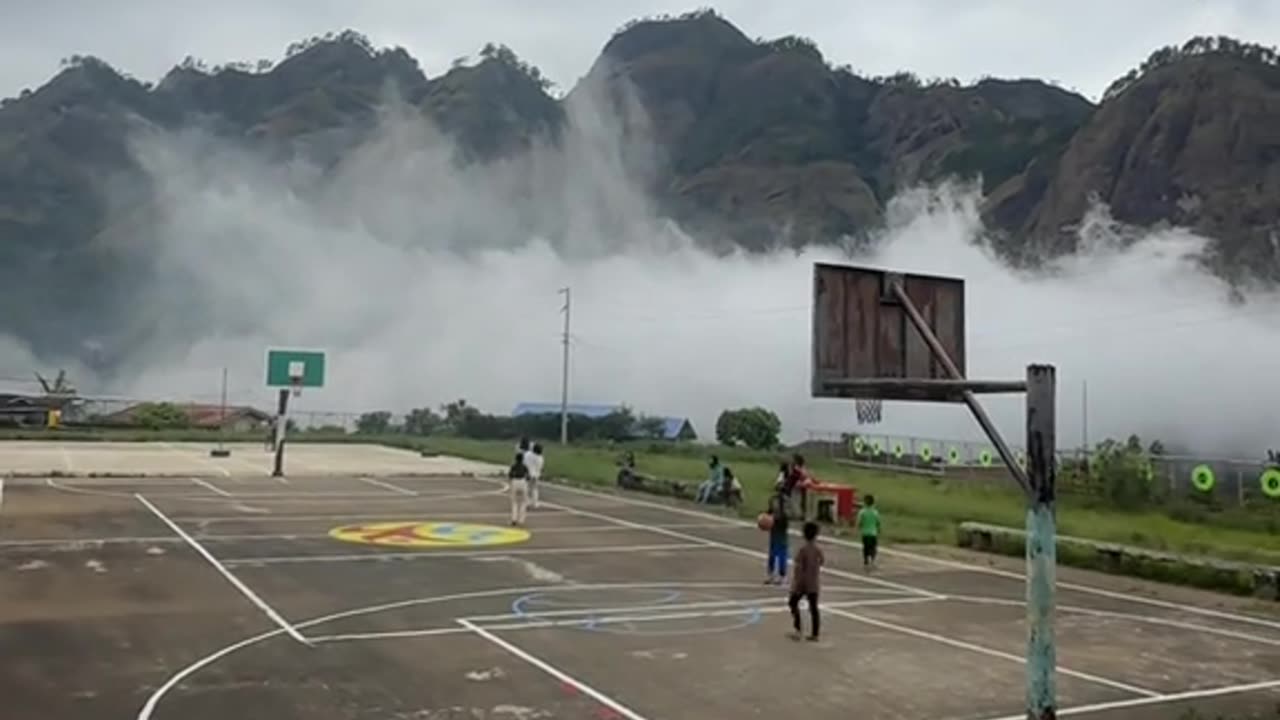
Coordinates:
(868, 411)
(295, 385)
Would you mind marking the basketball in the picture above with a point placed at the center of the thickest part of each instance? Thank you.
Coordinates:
(764, 521)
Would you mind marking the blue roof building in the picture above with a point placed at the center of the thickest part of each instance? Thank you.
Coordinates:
(673, 428)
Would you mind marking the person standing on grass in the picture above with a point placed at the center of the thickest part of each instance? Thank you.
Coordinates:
(778, 540)
(518, 481)
(868, 525)
(534, 461)
(805, 581)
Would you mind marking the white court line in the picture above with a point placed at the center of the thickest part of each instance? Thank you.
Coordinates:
(554, 672)
(941, 562)
(945, 640)
(613, 616)
(737, 549)
(1158, 699)
(227, 537)
(244, 589)
(211, 486)
(332, 516)
(428, 554)
(386, 485)
(66, 458)
(1150, 620)
(196, 456)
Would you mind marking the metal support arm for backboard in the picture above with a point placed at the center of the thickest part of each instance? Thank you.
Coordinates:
(968, 390)
(1038, 482)
(861, 349)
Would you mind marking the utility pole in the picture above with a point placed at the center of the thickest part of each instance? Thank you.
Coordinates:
(564, 379)
(1084, 422)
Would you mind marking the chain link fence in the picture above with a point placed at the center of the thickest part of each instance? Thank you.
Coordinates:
(1214, 480)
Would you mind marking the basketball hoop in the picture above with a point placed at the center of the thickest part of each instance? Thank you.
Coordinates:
(869, 412)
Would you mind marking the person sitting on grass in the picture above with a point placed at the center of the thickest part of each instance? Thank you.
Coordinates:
(713, 482)
(731, 489)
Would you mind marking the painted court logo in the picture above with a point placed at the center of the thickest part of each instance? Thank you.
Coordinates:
(429, 534)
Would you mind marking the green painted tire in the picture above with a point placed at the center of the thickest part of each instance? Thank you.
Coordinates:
(1202, 478)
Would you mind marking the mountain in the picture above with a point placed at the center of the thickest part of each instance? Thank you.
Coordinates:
(751, 143)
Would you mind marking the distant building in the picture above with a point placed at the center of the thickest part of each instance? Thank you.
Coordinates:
(26, 410)
(238, 418)
(673, 428)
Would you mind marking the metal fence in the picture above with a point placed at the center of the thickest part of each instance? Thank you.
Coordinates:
(1235, 481)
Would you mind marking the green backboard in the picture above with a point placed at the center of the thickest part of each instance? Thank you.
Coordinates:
(282, 365)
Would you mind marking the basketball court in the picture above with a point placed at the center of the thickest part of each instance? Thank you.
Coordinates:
(331, 598)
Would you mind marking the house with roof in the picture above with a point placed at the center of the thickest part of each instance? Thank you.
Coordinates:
(673, 428)
(27, 410)
(201, 415)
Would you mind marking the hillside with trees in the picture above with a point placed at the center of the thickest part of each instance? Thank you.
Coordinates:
(754, 143)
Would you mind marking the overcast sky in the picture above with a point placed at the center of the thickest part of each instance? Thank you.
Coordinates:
(1082, 44)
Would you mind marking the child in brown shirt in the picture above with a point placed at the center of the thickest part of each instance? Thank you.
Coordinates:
(805, 581)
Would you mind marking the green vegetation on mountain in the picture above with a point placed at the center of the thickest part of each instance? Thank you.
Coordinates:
(749, 143)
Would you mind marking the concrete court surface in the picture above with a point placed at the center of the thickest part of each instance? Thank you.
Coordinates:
(334, 598)
(192, 459)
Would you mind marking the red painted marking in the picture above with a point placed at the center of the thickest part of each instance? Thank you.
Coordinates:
(569, 688)
(607, 713)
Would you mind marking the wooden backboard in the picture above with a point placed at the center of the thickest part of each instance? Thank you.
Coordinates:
(861, 331)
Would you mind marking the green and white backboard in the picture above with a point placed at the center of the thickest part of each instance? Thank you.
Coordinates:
(295, 368)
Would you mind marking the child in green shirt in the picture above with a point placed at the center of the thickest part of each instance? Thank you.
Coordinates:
(868, 524)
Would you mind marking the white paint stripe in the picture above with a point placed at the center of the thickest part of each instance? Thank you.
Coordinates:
(70, 542)
(210, 486)
(954, 564)
(540, 621)
(945, 640)
(738, 549)
(705, 605)
(1194, 627)
(336, 516)
(197, 457)
(554, 672)
(66, 459)
(231, 578)
(386, 485)
(428, 553)
(1159, 699)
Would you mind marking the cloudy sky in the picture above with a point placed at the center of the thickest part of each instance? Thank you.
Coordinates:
(1081, 44)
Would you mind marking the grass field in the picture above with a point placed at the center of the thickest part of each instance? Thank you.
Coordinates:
(916, 509)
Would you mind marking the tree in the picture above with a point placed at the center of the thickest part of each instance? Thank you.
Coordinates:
(422, 421)
(755, 427)
(457, 413)
(160, 416)
(374, 423)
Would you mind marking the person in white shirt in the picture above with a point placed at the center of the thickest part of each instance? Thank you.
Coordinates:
(534, 461)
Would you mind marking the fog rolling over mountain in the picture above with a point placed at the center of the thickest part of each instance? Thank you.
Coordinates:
(416, 274)
(419, 228)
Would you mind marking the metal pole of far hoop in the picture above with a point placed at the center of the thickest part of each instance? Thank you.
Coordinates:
(1038, 481)
(282, 419)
